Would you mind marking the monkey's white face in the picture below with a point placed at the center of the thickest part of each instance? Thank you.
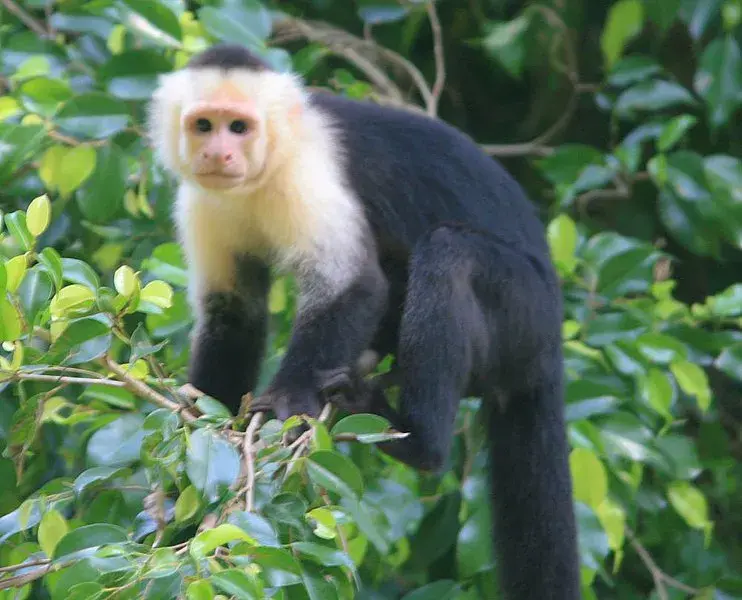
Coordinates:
(222, 143)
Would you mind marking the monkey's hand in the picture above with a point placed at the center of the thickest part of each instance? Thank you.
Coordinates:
(287, 403)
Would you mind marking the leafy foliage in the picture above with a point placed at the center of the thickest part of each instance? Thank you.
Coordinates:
(117, 483)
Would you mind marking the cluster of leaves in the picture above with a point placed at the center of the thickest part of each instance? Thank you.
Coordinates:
(111, 490)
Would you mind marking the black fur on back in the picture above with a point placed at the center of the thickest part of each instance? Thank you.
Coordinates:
(228, 56)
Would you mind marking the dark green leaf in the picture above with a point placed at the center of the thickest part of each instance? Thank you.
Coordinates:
(43, 95)
(211, 462)
(101, 197)
(92, 116)
(238, 21)
(89, 536)
(158, 14)
(719, 79)
(118, 443)
(237, 584)
(474, 544)
(133, 75)
(335, 472)
(653, 95)
(323, 555)
(96, 475)
(438, 590)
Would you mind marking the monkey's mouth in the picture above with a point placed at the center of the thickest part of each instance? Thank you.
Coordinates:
(220, 179)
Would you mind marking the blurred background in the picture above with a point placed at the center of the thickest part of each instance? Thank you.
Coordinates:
(620, 118)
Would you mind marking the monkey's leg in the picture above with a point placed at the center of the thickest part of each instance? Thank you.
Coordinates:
(478, 307)
(229, 339)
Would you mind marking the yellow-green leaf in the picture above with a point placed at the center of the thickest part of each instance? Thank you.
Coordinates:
(589, 477)
(50, 166)
(158, 293)
(625, 20)
(200, 589)
(72, 298)
(690, 504)
(324, 522)
(208, 540)
(15, 269)
(613, 519)
(693, 381)
(77, 165)
(10, 321)
(38, 215)
(277, 296)
(125, 281)
(52, 528)
(187, 504)
(8, 107)
(562, 237)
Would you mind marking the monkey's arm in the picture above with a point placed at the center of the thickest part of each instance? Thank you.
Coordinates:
(328, 334)
(229, 339)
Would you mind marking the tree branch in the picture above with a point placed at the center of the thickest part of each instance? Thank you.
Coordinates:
(440, 59)
(661, 579)
(25, 18)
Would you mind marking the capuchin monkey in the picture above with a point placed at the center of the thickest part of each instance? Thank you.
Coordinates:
(405, 239)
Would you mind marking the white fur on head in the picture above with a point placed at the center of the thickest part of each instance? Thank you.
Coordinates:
(301, 213)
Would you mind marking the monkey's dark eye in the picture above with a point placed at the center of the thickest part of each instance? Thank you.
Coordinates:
(203, 125)
(238, 126)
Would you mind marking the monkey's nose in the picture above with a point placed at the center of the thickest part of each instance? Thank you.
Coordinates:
(217, 156)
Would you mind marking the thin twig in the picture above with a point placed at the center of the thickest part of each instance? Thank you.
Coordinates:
(661, 579)
(440, 59)
(67, 379)
(144, 391)
(248, 452)
(25, 18)
(26, 565)
(19, 581)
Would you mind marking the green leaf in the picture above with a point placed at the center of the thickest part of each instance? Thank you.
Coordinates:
(200, 589)
(360, 424)
(118, 443)
(101, 198)
(158, 293)
(116, 397)
(77, 164)
(562, 237)
(95, 475)
(89, 536)
(474, 544)
(15, 271)
(719, 79)
(438, 590)
(92, 115)
(613, 519)
(52, 529)
(693, 381)
(505, 43)
(237, 584)
(187, 504)
(690, 503)
(323, 555)
(257, 526)
(34, 293)
(376, 12)
(77, 271)
(730, 361)
(43, 96)
(660, 348)
(238, 21)
(16, 224)
(212, 463)
(657, 392)
(132, 75)
(10, 321)
(72, 299)
(674, 130)
(38, 215)
(207, 541)
(625, 20)
(335, 472)
(650, 96)
(589, 477)
(158, 15)
(633, 69)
